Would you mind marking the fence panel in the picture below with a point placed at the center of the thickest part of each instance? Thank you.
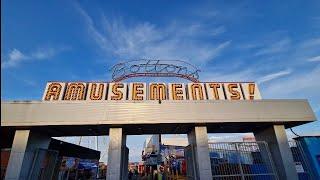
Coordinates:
(302, 165)
(190, 165)
(241, 161)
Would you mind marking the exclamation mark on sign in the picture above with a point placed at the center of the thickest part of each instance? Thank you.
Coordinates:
(251, 91)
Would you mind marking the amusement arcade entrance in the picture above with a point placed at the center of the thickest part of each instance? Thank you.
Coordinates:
(118, 109)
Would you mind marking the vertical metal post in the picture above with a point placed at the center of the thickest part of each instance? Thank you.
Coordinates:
(270, 159)
(239, 161)
(55, 162)
(68, 174)
(97, 143)
(305, 163)
(35, 158)
(76, 173)
(194, 167)
(80, 140)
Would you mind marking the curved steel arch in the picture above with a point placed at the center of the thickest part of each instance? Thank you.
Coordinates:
(155, 75)
(154, 68)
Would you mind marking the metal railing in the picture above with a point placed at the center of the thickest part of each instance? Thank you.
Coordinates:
(301, 162)
(241, 160)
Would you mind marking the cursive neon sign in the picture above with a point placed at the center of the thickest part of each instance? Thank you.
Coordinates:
(154, 68)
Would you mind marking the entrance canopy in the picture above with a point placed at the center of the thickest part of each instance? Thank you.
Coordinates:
(67, 118)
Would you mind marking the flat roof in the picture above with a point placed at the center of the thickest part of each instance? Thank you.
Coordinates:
(65, 118)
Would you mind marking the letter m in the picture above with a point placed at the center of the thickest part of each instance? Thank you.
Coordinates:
(75, 91)
(158, 91)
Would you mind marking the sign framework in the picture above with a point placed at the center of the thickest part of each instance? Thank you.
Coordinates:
(140, 91)
(154, 68)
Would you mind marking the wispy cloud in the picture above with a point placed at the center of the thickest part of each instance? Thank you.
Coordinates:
(45, 53)
(243, 75)
(314, 59)
(315, 22)
(273, 76)
(296, 85)
(313, 42)
(299, 85)
(146, 40)
(217, 31)
(16, 57)
(275, 47)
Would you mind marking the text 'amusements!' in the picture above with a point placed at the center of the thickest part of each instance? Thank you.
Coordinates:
(140, 91)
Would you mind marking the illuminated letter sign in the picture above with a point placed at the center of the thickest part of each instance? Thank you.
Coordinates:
(139, 91)
(157, 91)
(117, 91)
(196, 91)
(250, 91)
(75, 91)
(215, 91)
(54, 91)
(96, 91)
(233, 91)
(177, 91)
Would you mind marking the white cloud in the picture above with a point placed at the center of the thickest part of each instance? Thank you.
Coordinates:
(317, 108)
(282, 84)
(314, 42)
(272, 76)
(217, 31)
(146, 40)
(243, 75)
(298, 85)
(315, 22)
(44, 53)
(16, 57)
(251, 74)
(276, 47)
(314, 59)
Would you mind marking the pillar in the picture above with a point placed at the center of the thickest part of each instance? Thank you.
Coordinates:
(124, 162)
(117, 142)
(198, 139)
(24, 146)
(276, 138)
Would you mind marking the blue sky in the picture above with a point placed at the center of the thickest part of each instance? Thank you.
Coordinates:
(275, 43)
